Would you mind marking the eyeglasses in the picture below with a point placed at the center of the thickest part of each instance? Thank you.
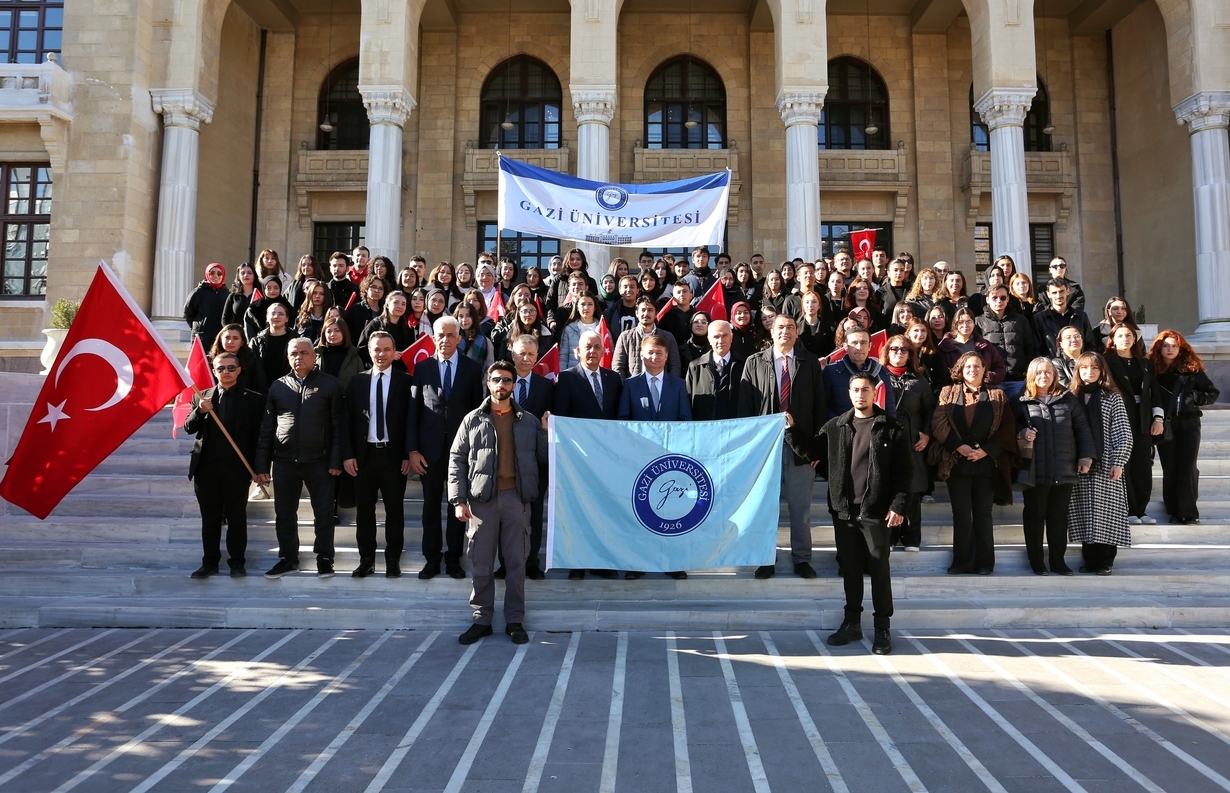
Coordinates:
(898, 349)
(499, 380)
(227, 368)
(998, 297)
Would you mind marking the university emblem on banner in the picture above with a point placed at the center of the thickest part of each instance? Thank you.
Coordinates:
(611, 197)
(672, 495)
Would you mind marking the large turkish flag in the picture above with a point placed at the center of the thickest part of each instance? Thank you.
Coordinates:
(113, 373)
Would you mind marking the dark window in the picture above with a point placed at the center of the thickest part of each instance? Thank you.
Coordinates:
(29, 29)
(984, 243)
(857, 100)
(524, 95)
(524, 249)
(835, 235)
(1041, 251)
(341, 105)
(27, 228)
(1036, 121)
(682, 91)
(330, 237)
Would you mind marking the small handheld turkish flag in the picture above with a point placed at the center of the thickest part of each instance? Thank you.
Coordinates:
(495, 311)
(666, 309)
(714, 302)
(548, 365)
(202, 377)
(608, 347)
(862, 242)
(425, 347)
(113, 373)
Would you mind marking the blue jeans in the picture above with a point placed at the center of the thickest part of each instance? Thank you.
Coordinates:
(1012, 389)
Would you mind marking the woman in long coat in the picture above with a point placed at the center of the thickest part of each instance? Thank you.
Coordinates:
(915, 404)
(1098, 511)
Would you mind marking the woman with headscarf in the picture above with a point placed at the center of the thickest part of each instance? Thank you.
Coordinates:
(698, 341)
(745, 331)
(203, 309)
(485, 280)
(254, 319)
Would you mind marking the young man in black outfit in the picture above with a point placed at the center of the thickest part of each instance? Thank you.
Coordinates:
(868, 468)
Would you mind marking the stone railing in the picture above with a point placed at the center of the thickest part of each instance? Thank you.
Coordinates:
(482, 172)
(1046, 173)
(667, 165)
(871, 171)
(327, 172)
(40, 93)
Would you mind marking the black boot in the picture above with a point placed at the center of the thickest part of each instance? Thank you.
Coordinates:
(851, 630)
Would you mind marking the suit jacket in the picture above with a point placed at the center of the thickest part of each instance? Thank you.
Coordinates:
(432, 423)
(541, 397)
(707, 403)
(356, 417)
(244, 411)
(636, 404)
(574, 396)
(758, 397)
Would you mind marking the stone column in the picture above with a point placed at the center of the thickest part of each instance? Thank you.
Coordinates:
(1003, 110)
(594, 107)
(387, 110)
(800, 111)
(175, 275)
(1207, 115)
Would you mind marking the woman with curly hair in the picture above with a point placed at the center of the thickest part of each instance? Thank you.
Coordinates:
(1185, 388)
(861, 293)
(317, 300)
(921, 296)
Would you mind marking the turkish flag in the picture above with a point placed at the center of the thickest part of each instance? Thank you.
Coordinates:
(495, 311)
(256, 296)
(548, 365)
(666, 309)
(714, 302)
(608, 347)
(356, 275)
(202, 377)
(112, 375)
(425, 347)
(862, 242)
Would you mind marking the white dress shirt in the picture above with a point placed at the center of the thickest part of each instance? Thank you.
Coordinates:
(373, 432)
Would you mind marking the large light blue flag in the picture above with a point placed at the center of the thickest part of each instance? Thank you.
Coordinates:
(657, 496)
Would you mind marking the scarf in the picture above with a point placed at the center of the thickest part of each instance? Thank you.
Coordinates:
(896, 371)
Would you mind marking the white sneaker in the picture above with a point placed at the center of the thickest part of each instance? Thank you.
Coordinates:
(1133, 520)
(1148, 520)
(911, 549)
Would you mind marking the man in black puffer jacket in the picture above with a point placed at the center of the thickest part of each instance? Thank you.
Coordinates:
(1012, 335)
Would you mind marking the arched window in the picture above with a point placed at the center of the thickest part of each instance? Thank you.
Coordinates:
(857, 101)
(521, 102)
(1036, 122)
(341, 106)
(681, 92)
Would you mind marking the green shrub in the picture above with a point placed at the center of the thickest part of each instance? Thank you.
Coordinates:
(64, 312)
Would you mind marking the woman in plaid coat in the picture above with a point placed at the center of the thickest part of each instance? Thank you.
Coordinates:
(1097, 514)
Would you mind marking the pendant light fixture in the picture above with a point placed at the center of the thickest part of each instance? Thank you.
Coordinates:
(325, 126)
(1049, 129)
(690, 123)
(871, 127)
(507, 123)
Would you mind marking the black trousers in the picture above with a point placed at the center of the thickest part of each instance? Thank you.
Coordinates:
(288, 482)
(973, 533)
(222, 493)
(1046, 509)
(434, 483)
(857, 561)
(909, 533)
(1098, 554)
(380, 475)
(1180, 475)
(1138, 473)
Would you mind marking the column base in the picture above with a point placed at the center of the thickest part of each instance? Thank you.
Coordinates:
(1214, 333)
(173, 331)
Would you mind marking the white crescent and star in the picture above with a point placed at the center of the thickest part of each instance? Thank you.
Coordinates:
(114, 356)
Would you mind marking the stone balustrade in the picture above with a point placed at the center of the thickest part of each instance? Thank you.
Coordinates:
(40, 93)
(868, 171)
(1046, 173)
(328, 172)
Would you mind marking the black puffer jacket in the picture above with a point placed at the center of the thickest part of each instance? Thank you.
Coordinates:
(1013, 336)
(203, 311)
(1064, 436)
(915, 404)
(302, 422)
(891, 455)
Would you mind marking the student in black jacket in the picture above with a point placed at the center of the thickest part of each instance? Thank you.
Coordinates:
(1185, 388)
(1049, 320)
(203, 310)
(1133, 374)
(243, 289)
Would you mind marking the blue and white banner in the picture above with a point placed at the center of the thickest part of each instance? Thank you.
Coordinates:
(658, 496)
(667, 214)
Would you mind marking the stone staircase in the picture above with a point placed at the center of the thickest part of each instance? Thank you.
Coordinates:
(118, 550)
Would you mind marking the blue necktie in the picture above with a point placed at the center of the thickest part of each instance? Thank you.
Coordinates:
(448, 380)
(522, 390)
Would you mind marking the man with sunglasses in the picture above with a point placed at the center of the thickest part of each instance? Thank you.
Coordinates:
(220, 478)
(1058, 269)
(1012, 334)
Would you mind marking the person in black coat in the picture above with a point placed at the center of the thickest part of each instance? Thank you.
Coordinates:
(1012, 334)
(220, 478)
(447, 386)
(868, 467)
(1133, 375)
(368, 305)
(251, 371)
(1185, 387)
(799, 394)
(535, 395)
(713, 378)
(203, 310)
(341, 287)
(1049, 320)
(255, 317)
(243, 289)
(374, 453)
(270, 345)
(915, 402)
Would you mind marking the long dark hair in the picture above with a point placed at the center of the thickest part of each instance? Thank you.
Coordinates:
(1105, 381)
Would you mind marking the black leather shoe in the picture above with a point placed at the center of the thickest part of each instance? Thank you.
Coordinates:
(632, 575)
(607, 574)
(765, 571)
(474, 633)
(678, 575)
(517, 633)
(205, 571)
(1062, 570)
(500, 573)
(1104, 571)
(849, 631)
(324, 568)
(534, 573)
(984, 571)
(576, 575)
(804, 570)
(454, 570)
(238, 570)
(392, 569)
(883, 644)
(1038, 568)
(366, 567)
(1087, 569)
(429, 571)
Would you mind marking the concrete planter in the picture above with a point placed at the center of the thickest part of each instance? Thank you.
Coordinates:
(55, 338)
(1148, 332)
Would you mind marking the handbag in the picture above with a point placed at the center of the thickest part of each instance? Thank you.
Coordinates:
(1026, 477)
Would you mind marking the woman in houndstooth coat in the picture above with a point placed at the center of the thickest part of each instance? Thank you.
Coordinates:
(1097, 514)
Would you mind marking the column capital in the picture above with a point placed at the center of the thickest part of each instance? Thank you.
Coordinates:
(593, 104)
(801, 106)
(182, 107)
(387, 105)
(1005, 107)
(1204, 110)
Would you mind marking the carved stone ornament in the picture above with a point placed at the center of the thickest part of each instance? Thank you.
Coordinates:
(182, 107)
(1005, 107)
(593, 104)
(387, 105)
(1204, 110)
(801, 107)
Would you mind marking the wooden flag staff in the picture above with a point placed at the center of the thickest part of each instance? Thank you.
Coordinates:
(234, 445)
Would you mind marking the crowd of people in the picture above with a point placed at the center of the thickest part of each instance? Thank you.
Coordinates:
(989, 390)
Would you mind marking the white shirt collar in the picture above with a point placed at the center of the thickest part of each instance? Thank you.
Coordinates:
(778, 356)
(452, 359)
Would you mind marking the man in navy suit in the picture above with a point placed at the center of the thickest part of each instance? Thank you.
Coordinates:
(587, 391)
(446, 387)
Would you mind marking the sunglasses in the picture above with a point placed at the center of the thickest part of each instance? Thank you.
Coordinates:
(500, 380)
(1059, 266)
(226, 368)
(898, 349)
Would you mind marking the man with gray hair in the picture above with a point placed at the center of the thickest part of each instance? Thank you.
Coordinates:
(301, 437)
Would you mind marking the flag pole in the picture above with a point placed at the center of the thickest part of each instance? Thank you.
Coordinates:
(234, 445)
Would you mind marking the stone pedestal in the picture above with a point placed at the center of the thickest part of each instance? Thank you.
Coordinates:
(1003, 110)
(387, 110)
(594, 107)
(175, 275)
(1207, 115)
(800, 111)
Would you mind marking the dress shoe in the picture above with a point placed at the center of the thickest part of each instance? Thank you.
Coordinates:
(850, 631)
(632, 575)
(366, 567)
(238, 570)
(985, 571)
(392, 569)
(1062, 569)
(517, 633)
(1038, 568)
(1191, 522)
(607, 574)
(453, 569)
(804, 570)
(474, 633)
(534, 573)
(883, 644)
(1104, 571)
(205, 570)
(1087, 569)
(283, 567)
(500, 573)
(576, 575)
(324, 568)
(678, 575)
(765, 571)
(429, 571)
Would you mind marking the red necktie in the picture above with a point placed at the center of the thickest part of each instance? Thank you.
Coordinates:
(784, 390)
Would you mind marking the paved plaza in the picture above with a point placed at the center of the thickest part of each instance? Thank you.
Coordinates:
(182, 710)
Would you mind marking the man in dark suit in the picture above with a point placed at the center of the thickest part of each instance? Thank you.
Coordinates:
(374, 453)
(786, 379)
(713, 378)
(447, 386)
(587, 391)
(220, 478)
(535, 395)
